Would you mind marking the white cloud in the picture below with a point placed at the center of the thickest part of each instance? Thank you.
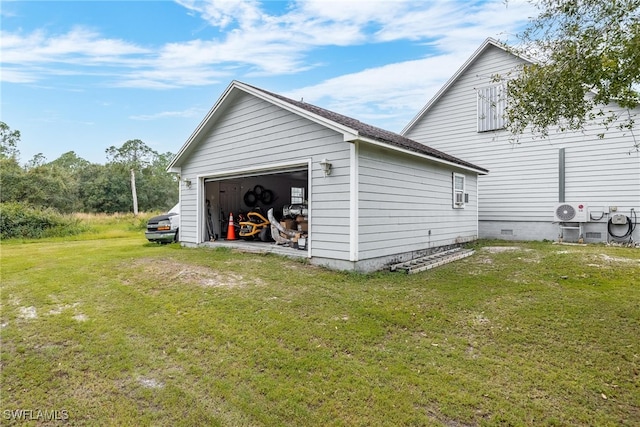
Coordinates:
(222, 13)
(188, 113)
(76, 46)
(13, 75)
(252, 53)
(255, 42)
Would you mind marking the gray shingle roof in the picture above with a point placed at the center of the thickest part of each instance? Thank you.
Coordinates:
(372, 132)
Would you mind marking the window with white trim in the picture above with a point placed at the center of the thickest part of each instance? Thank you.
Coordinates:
(492, 103)
(459, 196)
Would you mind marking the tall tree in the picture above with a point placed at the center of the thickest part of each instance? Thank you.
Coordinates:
(70, 161)
(49, 186)
(11, 174)
(587, 57)
(36, 161)
(9, 142)
(70, 165)
(103, 188)
(12, 180)
(135, 155)
(72, 184)
(158, 188)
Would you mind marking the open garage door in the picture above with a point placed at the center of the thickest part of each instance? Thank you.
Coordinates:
(255, 191)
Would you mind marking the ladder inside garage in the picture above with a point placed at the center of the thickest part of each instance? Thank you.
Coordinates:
(431, 261)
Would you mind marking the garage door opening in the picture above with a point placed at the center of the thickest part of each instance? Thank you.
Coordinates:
(249, 197)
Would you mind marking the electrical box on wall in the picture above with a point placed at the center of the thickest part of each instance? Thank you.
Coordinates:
(619, 219)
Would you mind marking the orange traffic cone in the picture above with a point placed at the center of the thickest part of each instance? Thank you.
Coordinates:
(231, 230)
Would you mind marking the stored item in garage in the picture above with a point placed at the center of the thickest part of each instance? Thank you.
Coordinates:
(281, 235)
(293, 211)
(254, 227)
(231, 231)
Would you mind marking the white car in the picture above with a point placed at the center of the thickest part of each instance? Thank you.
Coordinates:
(164, 228)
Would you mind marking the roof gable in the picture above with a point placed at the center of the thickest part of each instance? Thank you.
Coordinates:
(487, 44)
(350, 128)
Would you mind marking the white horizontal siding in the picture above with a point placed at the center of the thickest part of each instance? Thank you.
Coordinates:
(401, 198)
(522, 184)
(250, 132)
(188, 213)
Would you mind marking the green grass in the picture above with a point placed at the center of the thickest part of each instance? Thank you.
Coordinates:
(119, 332)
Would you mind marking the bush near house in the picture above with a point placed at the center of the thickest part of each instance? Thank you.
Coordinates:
(18, 220)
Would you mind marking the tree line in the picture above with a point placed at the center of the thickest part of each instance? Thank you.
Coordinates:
(73, 184)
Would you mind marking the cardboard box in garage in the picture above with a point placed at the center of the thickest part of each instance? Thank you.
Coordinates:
(289, 224)
(303, 224)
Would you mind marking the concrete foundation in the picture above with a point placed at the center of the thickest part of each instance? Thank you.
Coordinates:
(592, 232)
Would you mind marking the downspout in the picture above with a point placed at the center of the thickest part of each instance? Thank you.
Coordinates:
(310, 205)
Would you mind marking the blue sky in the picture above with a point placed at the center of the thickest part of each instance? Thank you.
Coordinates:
(85, 75)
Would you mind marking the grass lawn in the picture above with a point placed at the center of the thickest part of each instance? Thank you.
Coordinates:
(107, 329)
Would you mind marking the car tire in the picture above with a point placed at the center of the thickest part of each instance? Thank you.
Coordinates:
(250, 199)
(266, 197)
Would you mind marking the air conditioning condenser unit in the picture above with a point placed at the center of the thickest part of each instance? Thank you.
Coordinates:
(571, 212)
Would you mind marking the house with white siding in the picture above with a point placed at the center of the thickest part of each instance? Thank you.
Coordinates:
(573, 186)
(386, 198)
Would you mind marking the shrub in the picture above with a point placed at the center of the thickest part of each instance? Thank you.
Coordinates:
(18, 220)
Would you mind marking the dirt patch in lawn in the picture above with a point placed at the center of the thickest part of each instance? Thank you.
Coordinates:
(191, 274)
(485, 254)
(501, 249)
(613, 259)
(608, 261)
(27, 312)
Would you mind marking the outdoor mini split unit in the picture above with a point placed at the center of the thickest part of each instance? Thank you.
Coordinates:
(571, 212)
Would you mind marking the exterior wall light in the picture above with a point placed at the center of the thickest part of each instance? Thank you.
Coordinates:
(326, 167)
